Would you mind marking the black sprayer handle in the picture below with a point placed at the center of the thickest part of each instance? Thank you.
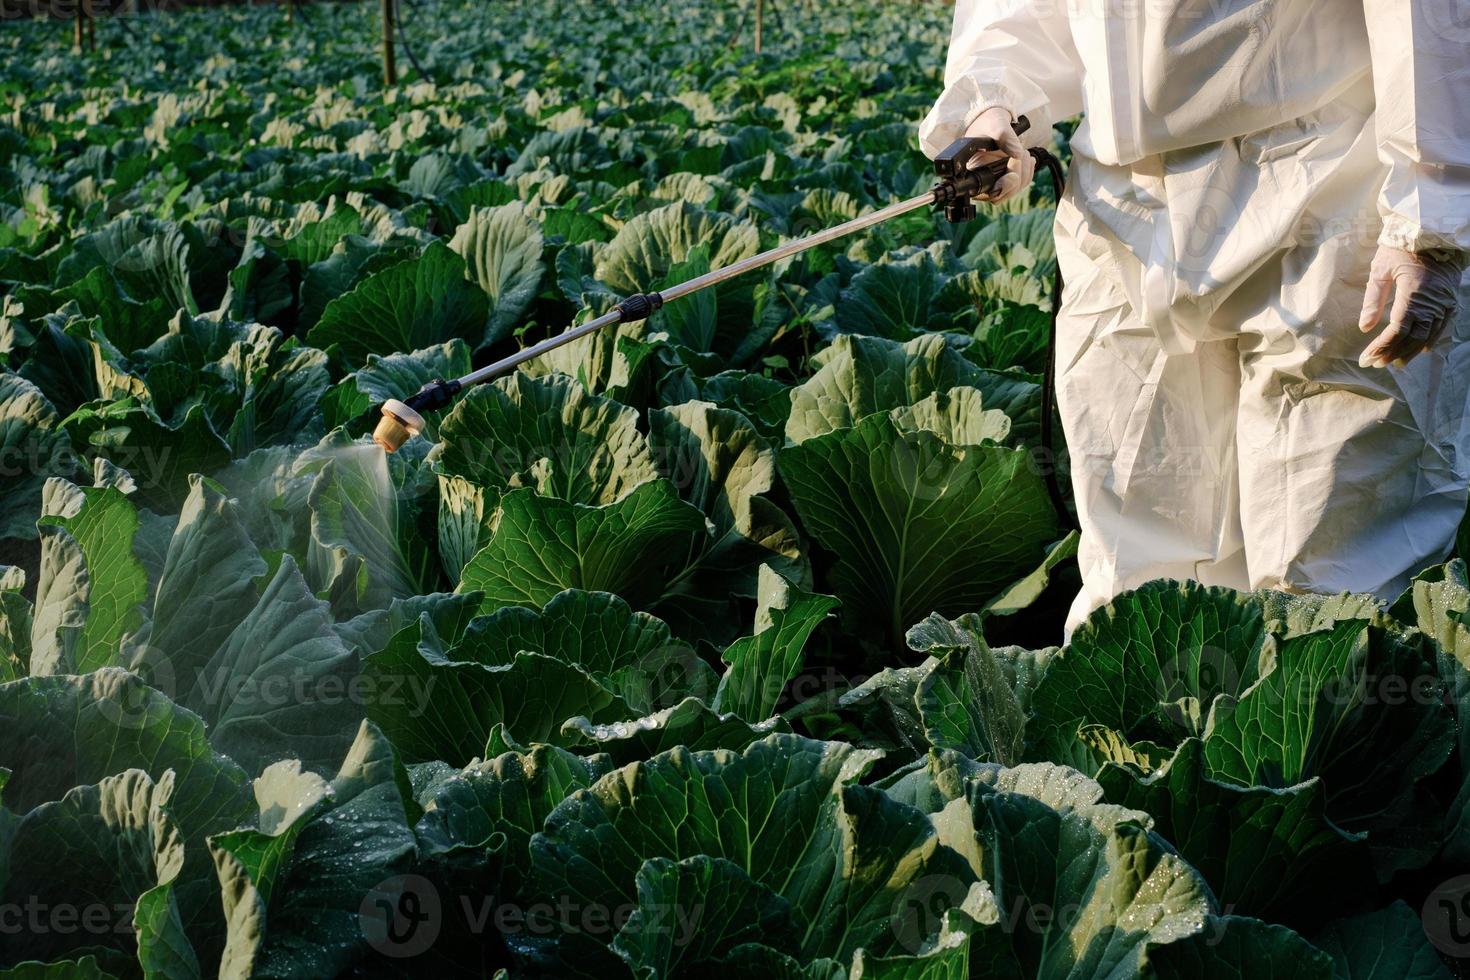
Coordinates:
(957, 156)
(959, 182)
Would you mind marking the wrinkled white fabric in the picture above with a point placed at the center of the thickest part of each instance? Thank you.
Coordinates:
(1160, 75)
(1265, 457)
(1237, 168)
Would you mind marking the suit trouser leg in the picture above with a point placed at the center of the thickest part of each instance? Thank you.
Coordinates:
(1151, 437)
(1267, 460)
(1352, 479)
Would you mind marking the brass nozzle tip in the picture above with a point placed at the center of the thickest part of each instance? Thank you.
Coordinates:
(398, 425)
(391, 434)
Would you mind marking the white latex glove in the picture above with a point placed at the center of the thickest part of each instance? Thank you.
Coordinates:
(996, 123)
(1424, 288)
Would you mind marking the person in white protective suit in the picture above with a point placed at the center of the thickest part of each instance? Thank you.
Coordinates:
(1260, 373)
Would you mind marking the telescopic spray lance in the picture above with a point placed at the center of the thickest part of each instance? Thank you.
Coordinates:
(958, 183)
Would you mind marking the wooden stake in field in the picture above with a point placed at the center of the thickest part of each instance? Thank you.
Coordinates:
(390, 69)
(760, 17)
(85, 32)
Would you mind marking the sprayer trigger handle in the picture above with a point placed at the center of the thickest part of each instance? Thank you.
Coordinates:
(955, 159)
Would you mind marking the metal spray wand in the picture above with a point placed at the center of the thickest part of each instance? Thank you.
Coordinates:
(958, 183)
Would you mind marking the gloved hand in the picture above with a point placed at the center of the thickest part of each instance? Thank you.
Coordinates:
(1424, 287)
(996, 124)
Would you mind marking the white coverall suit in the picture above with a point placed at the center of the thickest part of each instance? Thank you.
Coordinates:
(1231, 181)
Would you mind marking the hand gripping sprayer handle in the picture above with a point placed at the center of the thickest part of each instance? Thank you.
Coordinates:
(958, 184)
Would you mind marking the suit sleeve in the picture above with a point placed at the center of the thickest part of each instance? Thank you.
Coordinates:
(1421, 81)
(1017, 54)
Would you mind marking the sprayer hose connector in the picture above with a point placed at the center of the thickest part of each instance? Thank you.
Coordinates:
(433, 396)
(640, 306)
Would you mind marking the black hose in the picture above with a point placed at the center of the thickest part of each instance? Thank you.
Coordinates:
(739, 28)
(403, 42)
(1049, 374)
(776, 15)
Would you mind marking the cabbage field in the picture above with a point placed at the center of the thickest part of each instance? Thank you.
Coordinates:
(723, 644)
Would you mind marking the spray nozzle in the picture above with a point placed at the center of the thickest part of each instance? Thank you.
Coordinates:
(402, 420)
(398, 425)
